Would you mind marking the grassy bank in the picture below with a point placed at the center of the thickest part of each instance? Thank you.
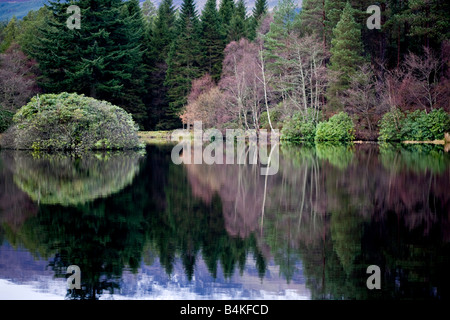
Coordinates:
(155, 136)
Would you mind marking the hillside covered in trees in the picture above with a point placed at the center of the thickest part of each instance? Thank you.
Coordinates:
(230, 67)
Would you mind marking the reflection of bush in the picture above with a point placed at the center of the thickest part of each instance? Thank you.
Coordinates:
(299, 155)
(415, 157)
(69, 180)
(338, 155)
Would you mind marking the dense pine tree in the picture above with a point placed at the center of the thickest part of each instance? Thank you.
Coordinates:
(134, 86)
(226, 11)
(9, 34)
(346, 54)
(430, 22)
(238, 24)
(164, 29)
(212, 40)
(260, 9)
(312, 18)
(395, 28)
(184, 62)
(149, 12)
(285, 21)
(29, 29)
(102, 59)
(159, 39)
(333, 11)
(258, 13)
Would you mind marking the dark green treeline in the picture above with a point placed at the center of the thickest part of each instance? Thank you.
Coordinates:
(141, 60)
(144, 59)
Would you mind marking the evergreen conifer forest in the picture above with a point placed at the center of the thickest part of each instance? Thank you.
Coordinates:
(232, 66)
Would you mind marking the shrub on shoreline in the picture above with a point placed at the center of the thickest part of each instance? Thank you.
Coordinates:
(300, 127)
(339, 127)
(419, 125)
(68, 121)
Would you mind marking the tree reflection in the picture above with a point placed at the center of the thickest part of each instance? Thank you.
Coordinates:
(71, 179)
(333, 212)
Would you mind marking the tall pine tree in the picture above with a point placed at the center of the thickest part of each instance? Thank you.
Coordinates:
(430, 22)
(226, 11)
(260, 9)
(346, 54)
(333, 12)
(258, 13)
(312, 18)
(9, 34)
(149, 12)
(184, 62)
(134, 86)
(212, 40)
(102, 59)
(285, 22)
(159, 39)
(238, 24)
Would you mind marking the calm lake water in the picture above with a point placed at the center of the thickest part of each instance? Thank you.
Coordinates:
(141, 227)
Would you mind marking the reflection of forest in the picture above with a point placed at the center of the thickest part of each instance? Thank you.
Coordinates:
(334, 209)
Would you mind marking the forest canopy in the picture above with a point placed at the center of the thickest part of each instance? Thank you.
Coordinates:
(306, 63)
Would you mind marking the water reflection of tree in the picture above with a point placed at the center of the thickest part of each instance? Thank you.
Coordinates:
(102, 236)
(398, 221)
(157, 212)
(192, 225)
(71, 179)
(333, 219)
(325, 207)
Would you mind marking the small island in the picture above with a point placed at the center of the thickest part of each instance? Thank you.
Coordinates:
(71, 122)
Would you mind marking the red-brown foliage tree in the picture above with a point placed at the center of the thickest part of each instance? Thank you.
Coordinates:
(17, 78)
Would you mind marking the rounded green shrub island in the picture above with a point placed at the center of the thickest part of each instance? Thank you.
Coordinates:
(69, 121)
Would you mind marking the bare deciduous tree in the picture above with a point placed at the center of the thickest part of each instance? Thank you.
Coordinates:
(242, 82)
(301, 75)
(361, 97)
(424, 74)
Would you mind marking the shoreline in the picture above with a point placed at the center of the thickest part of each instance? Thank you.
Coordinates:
(165, 135)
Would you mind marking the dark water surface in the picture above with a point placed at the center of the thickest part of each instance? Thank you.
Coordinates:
(141, 227)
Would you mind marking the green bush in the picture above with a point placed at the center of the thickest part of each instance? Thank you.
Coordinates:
(71, 122)
(418, 125)
(339, 127)
(391, 125)
(301, 126)
(5, 119)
